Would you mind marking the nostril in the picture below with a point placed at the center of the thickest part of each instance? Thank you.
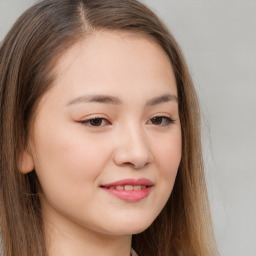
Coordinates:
(136, 166)
(139, 166)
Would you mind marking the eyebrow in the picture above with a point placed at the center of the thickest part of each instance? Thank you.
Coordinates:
(161, 99)
(107, 99)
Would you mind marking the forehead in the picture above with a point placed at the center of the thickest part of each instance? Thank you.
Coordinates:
(114, 60)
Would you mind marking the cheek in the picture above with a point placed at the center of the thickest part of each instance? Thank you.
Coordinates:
(168, 156)
(68, 165)
(167, 159)
(68, 162)
(69, 151)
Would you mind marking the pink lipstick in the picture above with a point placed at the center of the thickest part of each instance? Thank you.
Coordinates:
(131, 190)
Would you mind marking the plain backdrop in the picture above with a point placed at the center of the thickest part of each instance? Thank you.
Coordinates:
(218, 38)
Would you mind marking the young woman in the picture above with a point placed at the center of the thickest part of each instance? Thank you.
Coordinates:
(100, 136)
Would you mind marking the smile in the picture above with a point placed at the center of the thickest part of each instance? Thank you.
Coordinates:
(128, 187)
(130, 190)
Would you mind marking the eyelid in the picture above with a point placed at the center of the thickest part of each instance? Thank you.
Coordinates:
(87, 121)
(169, 120)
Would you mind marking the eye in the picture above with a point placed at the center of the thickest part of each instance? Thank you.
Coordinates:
(161, 121)
(95, 122)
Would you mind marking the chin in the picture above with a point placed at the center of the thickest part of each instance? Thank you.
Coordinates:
(132, 227)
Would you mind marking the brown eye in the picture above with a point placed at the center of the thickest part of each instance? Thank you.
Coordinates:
(157, 120)
(161, 121)
(95, 122)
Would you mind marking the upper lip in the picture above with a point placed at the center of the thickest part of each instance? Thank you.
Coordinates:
(134, 182)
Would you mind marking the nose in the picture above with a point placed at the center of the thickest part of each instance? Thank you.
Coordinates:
(132, 149)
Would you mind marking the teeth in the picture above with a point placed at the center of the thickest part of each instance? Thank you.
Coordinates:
(137, 188)
(128, 187)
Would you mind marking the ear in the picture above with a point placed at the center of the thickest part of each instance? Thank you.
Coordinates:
(26, 163)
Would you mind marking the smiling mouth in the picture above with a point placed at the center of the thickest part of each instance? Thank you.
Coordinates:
(127, 187)
(129, 190)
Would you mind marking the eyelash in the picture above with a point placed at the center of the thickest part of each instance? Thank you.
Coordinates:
(168, 121)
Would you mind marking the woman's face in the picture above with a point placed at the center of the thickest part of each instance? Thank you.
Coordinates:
(106, 140)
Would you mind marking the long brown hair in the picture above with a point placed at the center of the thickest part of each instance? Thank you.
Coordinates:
(27, 58)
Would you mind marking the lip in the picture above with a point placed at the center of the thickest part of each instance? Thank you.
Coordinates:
(129, 195)
(134, 182)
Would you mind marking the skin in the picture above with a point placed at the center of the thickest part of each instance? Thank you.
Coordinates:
(72, 157)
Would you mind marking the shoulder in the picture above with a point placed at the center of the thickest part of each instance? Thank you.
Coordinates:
(133, 253)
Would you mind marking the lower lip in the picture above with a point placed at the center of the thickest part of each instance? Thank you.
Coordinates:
(130, 195)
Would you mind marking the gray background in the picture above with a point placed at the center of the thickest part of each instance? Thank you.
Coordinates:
(219, 41)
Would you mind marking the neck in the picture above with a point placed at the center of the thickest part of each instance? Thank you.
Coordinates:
(74, 240)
